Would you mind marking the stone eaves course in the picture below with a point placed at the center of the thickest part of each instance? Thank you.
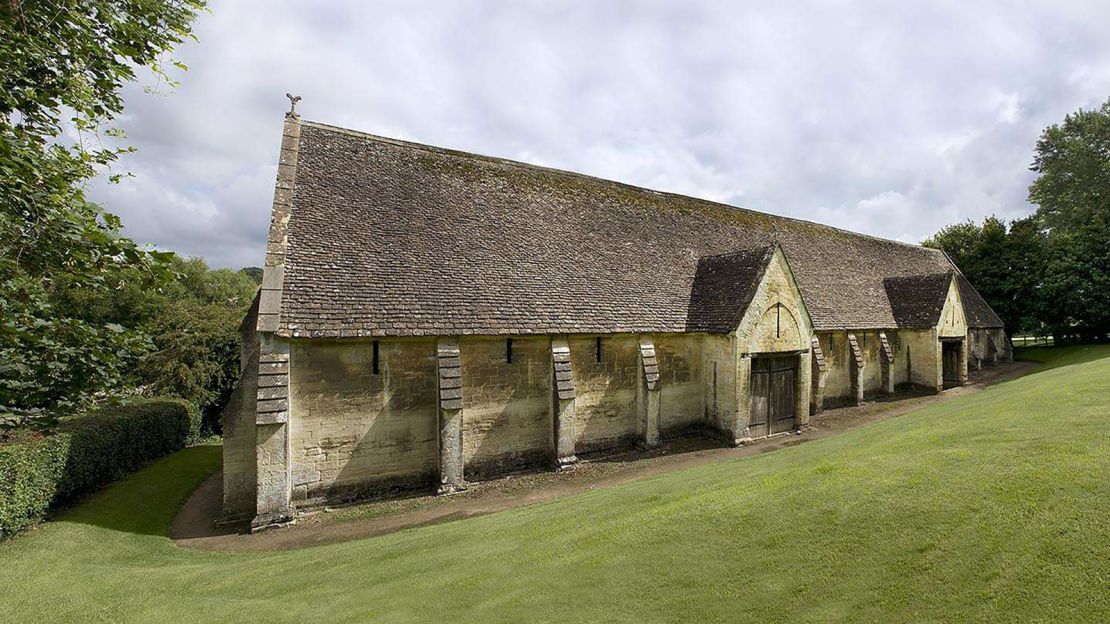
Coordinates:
(389, 238)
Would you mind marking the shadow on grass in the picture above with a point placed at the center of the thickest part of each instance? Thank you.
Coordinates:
(146, 501)
(1057, 357)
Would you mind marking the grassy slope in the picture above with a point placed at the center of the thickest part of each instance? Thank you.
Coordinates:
(992, 506)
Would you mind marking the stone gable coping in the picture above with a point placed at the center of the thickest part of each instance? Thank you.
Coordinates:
(277, 243)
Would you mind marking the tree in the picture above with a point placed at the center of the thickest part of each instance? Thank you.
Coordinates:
(1072, 194)
(194, 328)
(189, 325)
(62, 65)
(1023, 310)
(1049, 272)
(255, 273)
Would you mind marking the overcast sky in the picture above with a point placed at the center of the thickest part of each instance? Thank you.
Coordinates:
(892, 119)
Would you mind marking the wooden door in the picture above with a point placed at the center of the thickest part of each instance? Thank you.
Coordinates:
(774, 380)
(951, 363)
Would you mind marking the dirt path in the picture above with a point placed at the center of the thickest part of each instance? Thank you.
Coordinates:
(194, 525)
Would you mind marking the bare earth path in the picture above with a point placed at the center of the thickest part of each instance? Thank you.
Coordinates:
(194, 525)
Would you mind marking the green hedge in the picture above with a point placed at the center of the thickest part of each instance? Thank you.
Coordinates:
(85, 453)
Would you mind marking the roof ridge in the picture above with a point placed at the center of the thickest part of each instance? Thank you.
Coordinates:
(521, 164)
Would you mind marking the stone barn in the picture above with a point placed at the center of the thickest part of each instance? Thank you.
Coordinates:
(430, 317)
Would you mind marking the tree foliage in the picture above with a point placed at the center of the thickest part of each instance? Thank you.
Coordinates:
(1072, 193)
(1050, 272)
(62, 67)
(193, 325)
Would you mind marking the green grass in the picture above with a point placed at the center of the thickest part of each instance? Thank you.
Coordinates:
(1064, 356)
(989, 507)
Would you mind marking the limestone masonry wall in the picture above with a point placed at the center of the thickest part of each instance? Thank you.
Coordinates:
(719, 386)
(900, 365)
(987, 346)
(240, 472)
(871, 346)
(915, 351)
(953, 323)
(837, 383)
(353, 431)
(506, 406)
(923, 356)
(605, 406)
(681, 391)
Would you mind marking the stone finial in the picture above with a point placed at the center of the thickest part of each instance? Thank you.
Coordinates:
(293, 99)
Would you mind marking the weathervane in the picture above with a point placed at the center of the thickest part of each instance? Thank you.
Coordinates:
(293, 99)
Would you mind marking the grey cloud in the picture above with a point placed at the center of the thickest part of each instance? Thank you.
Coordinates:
(889, 119)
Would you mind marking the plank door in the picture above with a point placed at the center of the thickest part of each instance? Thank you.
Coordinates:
(774, 381)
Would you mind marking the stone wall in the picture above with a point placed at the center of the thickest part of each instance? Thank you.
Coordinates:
(239, 470)
(871, 347)
(719, 387)
(900, 366)
(237, 421)
(921, 354)
(903, 343)
(507, 421)
(605, 406)
(953, 323)
(838, 383)
(680, 380)
(355, 432)
(987, 346)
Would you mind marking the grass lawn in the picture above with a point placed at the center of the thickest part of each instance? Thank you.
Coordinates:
(993, 506)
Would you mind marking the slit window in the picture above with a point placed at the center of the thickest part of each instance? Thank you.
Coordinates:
(714, 387)
(909, 365)
(597, 350)
(375, 359)
(508, 350)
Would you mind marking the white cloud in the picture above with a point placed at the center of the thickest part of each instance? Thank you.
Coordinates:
(888, 119)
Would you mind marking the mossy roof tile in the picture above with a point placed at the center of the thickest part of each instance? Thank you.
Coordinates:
(396, 238)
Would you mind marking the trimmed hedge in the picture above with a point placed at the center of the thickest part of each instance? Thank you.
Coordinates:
(86, 453)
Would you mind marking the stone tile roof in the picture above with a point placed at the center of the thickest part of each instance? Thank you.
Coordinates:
(978, 312)
(389, 238)
(723, 287)
(918, 300)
